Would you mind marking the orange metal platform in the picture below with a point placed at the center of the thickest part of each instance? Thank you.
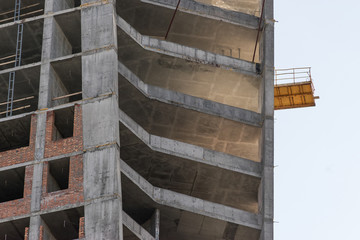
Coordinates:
(293, 88)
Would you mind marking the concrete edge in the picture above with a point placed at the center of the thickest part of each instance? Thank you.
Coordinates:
(135, 228)
(191, 152)
(181, 201)
(188, 53)
(208, 11)
(191, 102)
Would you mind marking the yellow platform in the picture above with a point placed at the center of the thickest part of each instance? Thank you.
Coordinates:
(293, 88)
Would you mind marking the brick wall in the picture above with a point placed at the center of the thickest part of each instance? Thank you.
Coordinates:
(73, 194)
(41, 233)
(26, 236)
(82, 227)
(66, 145)
(21, 206)
(24, 154)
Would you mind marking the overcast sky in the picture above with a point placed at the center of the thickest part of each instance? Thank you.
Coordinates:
(317, 192)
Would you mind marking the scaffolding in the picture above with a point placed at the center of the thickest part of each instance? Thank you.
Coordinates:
(293, 88)
(19, 41)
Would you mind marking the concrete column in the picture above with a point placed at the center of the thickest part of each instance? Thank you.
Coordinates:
(54, 45)
(57, 5)
(266, 207)
(102, 186)
(155, 224)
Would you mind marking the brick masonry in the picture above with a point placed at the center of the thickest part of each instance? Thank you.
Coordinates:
(24, 154)
(81, 228)
(74, 194)
(66, 145)
(21, 206)
(26, 236)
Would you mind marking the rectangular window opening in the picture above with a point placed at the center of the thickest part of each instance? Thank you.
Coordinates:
(12, 184)
(64, 123)
(58, 175)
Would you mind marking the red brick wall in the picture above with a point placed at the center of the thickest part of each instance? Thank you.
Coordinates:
(66, 145)
(26, 236)
(81, 227)
(73, 194)
(20, 206)
(24, 154)
(41, 233)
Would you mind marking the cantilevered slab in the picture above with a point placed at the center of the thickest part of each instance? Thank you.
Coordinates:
(189, 177)
(191, 204)
(191, 152)
(191, 102)
(189, 53)
(214, 12)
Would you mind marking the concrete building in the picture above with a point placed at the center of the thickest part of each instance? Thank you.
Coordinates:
(110, 131)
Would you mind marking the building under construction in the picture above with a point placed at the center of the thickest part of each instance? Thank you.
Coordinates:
(137, 119)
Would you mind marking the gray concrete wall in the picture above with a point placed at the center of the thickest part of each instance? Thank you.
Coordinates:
(102, 186)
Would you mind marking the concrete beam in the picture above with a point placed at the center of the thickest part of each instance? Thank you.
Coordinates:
(189, 53)
(135, 228)
(191, 152)
(191, 204)
(196, 8)
(191, 102)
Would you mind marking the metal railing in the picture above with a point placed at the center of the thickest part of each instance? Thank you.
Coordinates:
(292, 75)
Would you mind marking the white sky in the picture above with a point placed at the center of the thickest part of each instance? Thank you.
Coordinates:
(317, 193)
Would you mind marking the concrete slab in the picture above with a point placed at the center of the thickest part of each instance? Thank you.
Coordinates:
(189, 151)
(209, 10)
(218, 37)
(191, 204)
(185, 125)
(187, 101)
(193, 178)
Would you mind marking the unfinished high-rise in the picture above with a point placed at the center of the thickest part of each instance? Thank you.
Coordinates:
(136, 119)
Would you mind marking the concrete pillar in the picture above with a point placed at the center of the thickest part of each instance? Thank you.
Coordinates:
(54, 45)
(267, 184)
(102, 187)
(155, 224)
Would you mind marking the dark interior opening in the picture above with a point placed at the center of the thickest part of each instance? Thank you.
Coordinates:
(68, 81)
(12, 184)
(26, 91)
(64, 123)
(70, 24)
(63, 225)
(15, 133)
(14, 230)
(58, 175)
(77, 3)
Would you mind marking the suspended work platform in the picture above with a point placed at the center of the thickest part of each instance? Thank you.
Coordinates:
(293, 88)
